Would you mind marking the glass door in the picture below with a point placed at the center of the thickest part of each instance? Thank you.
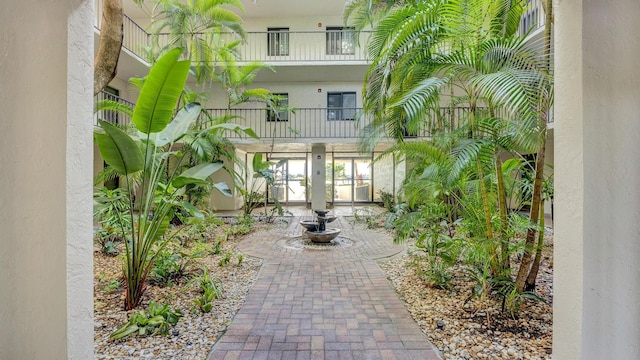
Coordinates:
(296, 180)
(343, 180)
(362, 185)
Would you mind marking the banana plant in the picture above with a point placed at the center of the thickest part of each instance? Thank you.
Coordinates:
(152, 152)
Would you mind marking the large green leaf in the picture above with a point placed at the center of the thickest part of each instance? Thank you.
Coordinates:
(196, 175)
(233, 127)
(179, 126)
(223, 188)
(119, 150)
(160, 92)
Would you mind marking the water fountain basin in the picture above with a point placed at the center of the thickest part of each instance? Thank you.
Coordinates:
(322, 236)
(317, 231)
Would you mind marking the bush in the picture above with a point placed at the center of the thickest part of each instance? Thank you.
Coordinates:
(155, 321)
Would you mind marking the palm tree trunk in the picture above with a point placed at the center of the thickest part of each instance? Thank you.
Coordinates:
(530, 284)
(484, 195)
(502, 204)
(111, 34)
(525, 265)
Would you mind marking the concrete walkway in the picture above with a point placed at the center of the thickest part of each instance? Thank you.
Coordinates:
(320, 302)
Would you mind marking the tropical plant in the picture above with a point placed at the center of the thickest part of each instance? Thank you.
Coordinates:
(206, 29)
(267, 171)
(171, 265)
(226, 257)
(210, 290)
(148, 152)
(109, 206)
(466, 52)
(156, 321)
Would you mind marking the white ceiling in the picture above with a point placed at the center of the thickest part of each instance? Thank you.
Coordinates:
(291, 8)
(259, 8)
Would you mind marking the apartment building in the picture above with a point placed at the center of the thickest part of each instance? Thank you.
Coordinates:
(318, 70)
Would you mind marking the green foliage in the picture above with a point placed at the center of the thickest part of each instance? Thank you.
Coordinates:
(240, 259)
(159, 127)
(269, 172)
(198, 27)
(217, 246)
(200, 229)
(156, 321)
(252, 200)
(109, 210)
(109, 248)
(239, 229)
(176, 263)
(438, 274)
(388, 200)
(226, 258)
(112, 286)
(209, 291)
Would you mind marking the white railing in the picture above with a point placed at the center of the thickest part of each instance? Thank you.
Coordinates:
(299, 46)
(268, 46)
(533, 17)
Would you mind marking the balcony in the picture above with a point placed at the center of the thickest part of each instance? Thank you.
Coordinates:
(279, 47)
(283, 47)
(300, 124)
(533, 17)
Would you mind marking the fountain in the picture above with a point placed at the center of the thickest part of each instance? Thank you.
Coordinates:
(317, 231)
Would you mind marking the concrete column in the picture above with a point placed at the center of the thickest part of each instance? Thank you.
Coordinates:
(318, 177)
(597, 178)
(46, 280)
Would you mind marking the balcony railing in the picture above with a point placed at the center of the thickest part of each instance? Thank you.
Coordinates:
(300, 46)
(135, 38)
(116, 118)
(268, 46)
(307, 123)
(533, 17)
(283, 46)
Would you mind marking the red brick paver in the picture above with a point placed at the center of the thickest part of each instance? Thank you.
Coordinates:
(322, 304)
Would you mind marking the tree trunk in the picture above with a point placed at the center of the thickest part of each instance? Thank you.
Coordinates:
(525, 266)
(111, 35)
(530, 284)
(502, 204)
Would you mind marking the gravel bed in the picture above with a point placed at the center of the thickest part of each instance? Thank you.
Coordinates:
(475, 330)
(470, 330)
(195, 334)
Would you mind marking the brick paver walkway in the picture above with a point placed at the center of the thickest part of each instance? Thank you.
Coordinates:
(321, 303)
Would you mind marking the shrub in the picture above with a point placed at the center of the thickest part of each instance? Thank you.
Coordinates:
(155, 321)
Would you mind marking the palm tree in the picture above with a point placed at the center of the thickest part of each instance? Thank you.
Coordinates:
(466, 52)
(205, 29)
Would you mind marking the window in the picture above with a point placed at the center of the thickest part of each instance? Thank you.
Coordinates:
(282, 101)
(341, 41)
(278, 41)
(341, 105)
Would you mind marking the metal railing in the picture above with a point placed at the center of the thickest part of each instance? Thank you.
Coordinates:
(329, 123)
(113, 117)
(533, 17)
(135, 38)
(284, 46)
(301, 46)
(267, 46)
(307, 123)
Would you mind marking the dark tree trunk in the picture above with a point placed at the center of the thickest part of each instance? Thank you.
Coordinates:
(111, 35)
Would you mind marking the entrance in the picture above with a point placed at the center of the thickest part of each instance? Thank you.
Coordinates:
(352, 180)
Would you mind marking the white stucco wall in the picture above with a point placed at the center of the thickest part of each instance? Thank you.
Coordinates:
(46, 61)
(597, 132)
